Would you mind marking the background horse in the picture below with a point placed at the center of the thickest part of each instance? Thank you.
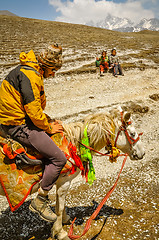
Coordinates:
(104, 131)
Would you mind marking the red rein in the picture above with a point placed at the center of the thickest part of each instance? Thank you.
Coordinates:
(94, 215)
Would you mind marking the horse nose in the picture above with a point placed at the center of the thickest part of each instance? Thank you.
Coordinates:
(141, 157)
(138, 155)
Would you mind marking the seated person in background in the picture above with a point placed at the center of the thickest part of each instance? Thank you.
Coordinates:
(97, 62)
(114, 63)
(103, 62)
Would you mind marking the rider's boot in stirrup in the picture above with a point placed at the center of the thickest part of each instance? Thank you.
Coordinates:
(41, 205)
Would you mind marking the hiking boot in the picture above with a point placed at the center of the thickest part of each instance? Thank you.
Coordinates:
(41, 205)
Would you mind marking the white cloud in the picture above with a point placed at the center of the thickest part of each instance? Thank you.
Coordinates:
(83, 11)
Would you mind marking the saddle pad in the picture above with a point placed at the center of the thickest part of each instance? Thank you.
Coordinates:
(17, 184)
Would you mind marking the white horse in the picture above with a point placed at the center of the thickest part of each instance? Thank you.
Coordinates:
(103, 129)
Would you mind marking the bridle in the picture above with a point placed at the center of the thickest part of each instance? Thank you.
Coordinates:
(123, 127)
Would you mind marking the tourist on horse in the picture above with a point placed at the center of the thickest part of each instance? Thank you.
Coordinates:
(114, 63)
(22, 103)
(103, 62)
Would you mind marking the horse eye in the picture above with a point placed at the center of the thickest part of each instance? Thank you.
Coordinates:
(133, 134)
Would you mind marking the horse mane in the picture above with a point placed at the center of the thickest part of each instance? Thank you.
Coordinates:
(100, 128)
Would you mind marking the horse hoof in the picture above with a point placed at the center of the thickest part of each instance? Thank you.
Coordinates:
(57, 238)
(65, 238)
(61, 236)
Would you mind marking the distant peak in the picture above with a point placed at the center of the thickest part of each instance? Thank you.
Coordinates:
(6, 12)
(111, 22)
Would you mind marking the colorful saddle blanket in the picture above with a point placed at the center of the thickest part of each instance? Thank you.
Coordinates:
(17, 183)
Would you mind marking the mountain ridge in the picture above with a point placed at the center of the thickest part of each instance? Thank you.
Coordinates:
(125, 24)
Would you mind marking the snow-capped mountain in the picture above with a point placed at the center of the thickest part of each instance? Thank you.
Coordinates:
(149, 24)
(126, 25)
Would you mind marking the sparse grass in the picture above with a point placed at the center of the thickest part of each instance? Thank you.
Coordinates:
(150, 54)
(22, 34)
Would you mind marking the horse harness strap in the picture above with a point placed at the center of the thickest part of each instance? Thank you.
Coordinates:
(131, 140)
(92, 149)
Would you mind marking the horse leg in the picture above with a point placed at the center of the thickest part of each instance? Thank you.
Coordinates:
(2, 191)
(66, 220)
(62, 187)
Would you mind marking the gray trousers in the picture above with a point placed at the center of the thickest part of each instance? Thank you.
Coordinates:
(117, 68)
(54, 158)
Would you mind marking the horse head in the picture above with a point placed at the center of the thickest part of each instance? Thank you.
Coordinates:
(126, 137)
(106, 130)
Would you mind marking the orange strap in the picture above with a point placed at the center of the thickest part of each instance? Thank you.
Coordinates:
(93, 216)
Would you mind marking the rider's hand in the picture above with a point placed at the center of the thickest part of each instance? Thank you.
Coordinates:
(56, 126)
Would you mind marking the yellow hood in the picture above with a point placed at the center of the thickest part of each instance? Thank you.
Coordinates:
(29, 59)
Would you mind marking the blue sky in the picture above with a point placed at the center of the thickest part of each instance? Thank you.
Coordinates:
(39, 9)
(82, 11)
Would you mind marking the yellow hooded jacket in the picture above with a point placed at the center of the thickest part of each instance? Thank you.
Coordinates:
(22, 95)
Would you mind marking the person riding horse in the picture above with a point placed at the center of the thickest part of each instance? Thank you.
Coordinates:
(21, 116)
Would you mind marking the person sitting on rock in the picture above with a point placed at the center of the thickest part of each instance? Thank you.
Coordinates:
(114, 63)
(103, 62)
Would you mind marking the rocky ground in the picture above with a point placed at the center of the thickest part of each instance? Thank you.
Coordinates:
(131, 212)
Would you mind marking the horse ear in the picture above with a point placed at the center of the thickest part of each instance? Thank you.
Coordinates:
(120, 108)
(127, 116)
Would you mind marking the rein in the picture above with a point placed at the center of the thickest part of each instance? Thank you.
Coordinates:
(111, 155)
(131, 140)
(94, 215)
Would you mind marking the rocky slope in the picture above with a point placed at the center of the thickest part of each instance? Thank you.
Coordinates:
(76, 91)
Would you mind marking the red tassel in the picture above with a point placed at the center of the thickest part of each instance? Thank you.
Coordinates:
(75, 157)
